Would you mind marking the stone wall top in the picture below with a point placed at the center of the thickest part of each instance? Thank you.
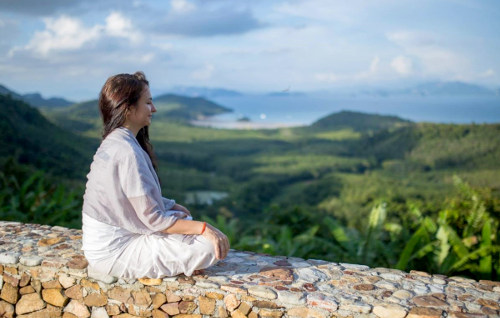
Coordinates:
(41, 265)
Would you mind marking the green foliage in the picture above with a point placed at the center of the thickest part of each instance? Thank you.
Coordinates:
(357, 121)
(29, 196)
(33, 140)
(366, 189)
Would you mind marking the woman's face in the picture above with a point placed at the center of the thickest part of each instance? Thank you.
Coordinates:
(140, 115)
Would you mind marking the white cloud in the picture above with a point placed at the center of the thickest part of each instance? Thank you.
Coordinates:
(182, 6)
(326, 77)
(63, 33)
(374, 65)
(402, 65)
(70, 34)
(487, 73)
(119, 26)
(204, 73)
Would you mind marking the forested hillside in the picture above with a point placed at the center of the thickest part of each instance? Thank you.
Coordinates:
(84, 118)
(353, 187)
(31, 139)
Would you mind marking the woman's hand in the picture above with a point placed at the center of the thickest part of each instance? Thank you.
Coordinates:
(181, 208)
(218, 239)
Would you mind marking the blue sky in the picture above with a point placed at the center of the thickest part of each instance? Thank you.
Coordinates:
(69, 47)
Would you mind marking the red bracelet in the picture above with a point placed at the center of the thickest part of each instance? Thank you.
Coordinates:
(204, 227)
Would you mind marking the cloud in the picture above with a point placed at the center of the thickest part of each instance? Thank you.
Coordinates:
(63, 33)
(374, 65)
(69, 34)
(182, 6)
(204, 73)
(402, 65)
(326, 77)
(407, 38)
(487, 73)
(118, 25)
(435, 57)
(188, 19)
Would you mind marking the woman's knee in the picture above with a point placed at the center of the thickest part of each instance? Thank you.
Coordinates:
(206, 247)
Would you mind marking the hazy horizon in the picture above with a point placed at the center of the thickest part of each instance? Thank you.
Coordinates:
(68, 48)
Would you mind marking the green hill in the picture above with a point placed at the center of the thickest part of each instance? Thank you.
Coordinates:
(36, 99)
(360, 122)
(185, 108)
(85, 118)
(31, 139)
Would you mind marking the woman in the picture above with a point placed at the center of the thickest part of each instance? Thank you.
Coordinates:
(129, 229)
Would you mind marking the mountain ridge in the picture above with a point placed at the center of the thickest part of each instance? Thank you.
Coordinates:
(36, 99)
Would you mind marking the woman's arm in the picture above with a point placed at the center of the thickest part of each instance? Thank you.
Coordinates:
(216, 237)
(184, 227)
(181, 208)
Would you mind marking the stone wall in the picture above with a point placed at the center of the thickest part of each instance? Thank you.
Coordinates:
(44, 274)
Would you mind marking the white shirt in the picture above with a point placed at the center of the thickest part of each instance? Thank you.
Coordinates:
(123, 189)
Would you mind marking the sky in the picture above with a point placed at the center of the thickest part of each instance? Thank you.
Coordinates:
(68, 48)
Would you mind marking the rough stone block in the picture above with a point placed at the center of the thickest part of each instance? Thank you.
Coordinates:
(158, 300)
(54, 297)
(10, 293)
(51, 284)
(150, 281)
(389, 311)
(29, 303)
(270, 313)
(304, 312)
(6, 309)
(187, 307)
(121, 294)
(89, 284)
(75, 292)
(26, 290)
(159, 314)
(141, 298)
(231, 302)
(99, 312)
(95, 299)
(423, 312)
(112, 309)
(171, 308)
(172, 298)
(262, 292)
(77, 308)
(207, 305)
(214, 295)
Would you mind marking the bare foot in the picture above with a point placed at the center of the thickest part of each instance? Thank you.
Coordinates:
(199, 272)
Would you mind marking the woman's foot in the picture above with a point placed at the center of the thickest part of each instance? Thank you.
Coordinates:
(199, 272)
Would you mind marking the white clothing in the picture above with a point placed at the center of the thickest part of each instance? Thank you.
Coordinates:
(132, 255)
(123, 213)
(123, 188)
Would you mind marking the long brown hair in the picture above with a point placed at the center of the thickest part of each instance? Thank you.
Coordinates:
(118, 96)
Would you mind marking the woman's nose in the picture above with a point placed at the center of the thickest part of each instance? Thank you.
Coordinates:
(153, 108)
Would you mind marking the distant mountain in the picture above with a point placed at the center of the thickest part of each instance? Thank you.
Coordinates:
(437, 89)
(31, 139)
(357, 121)
(193, 91)
(285, 93)
(184, 108)
(449, 88)
(84, 117)
(5, 91)
(36, 99)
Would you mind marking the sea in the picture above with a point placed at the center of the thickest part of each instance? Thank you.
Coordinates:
(269, 111)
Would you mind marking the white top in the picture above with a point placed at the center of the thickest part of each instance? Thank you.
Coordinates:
(123, 189)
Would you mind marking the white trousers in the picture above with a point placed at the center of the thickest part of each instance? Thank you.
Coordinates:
(117, 252)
